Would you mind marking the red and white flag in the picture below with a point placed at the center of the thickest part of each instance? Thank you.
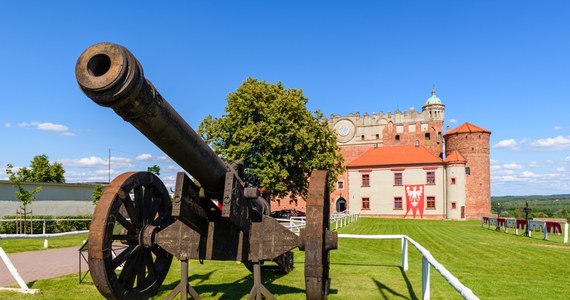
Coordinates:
(414, 199)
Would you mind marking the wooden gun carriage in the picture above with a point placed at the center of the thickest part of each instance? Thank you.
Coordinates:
(213, 217)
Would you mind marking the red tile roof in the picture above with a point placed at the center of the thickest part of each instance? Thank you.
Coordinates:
(400, 155)
(468, 128)
(455, 157)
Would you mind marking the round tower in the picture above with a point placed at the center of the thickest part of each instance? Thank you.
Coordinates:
(434, 114)
(473, 143)
(455, 185)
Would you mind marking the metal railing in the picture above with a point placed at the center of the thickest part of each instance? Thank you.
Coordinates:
(427, 261)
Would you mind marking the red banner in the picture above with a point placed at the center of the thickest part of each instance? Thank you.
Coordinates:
(414, 199)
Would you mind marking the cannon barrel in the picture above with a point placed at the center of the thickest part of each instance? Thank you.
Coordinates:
(112, 77)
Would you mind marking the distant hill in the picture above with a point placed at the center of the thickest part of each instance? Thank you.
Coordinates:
(542, 206)
(529, 198)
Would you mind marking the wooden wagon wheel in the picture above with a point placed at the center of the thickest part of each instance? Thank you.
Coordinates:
(317, 239)
(132, 209)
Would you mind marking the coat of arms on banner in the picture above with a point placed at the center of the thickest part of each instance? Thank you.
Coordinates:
(414, 199)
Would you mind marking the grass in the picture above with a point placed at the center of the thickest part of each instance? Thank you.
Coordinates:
(492, 264)
(22, 245)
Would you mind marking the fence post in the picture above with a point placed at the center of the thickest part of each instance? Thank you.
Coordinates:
(404, 254)
(425, 278)
(44, 232)
(566, 233)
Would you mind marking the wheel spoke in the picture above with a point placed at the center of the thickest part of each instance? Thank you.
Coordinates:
(124, 255)
(149, 263)
(132, 211)
(139, 203)
(125, 237)
(149, 204)
(128, 274)
(141, 273)
(125, 223)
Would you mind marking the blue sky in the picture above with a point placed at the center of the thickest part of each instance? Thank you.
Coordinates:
(502, 65)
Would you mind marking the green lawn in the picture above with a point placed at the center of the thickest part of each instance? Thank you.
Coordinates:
(493, 264)
(21, 245)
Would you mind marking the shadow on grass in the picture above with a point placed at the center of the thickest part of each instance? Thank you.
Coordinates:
(236, 289)
(388, 293)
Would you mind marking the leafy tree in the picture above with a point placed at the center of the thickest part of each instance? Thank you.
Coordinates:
(41, 170)
(97, 193)
(270, 129)
(154, 169)
(25, 196)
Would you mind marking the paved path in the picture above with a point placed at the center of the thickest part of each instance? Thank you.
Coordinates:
(43, 264)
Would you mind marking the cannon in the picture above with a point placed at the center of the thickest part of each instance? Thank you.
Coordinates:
(137, 228)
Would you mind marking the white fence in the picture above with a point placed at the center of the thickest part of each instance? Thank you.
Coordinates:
(338, 219)
(427, 260)
(343, 219)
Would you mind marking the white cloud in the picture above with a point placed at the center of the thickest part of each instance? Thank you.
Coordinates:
(144, 157)
(528, 174)
(567, 158)
(85, 162)
(452, 121)
(46, 126)
(556, 143)
(533, 164)
(507, 144)
(556, 127)
(512, 166)
(560, 169)
(51, 127)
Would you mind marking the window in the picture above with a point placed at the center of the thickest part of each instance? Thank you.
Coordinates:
(397, 137)
(377, 136)
(340, 185)
(430, 178)
(398, 203)
(428, 137)
(430, 204)
(398, 178)
(453, 180)
(468, 170)
(365, 179)
(366, 203)
(453, 205)
(362, 137)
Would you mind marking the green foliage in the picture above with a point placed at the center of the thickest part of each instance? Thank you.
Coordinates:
(97, 193)
(40, 170)
(16, 178)
(51, 226)
(546, 206)
(154, 169)
(270, 129)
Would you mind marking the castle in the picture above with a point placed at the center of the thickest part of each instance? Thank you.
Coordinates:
(402, 164)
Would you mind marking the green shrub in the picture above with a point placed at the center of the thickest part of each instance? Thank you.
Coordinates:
(51, 226)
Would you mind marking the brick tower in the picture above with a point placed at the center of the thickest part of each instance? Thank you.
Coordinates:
(472, 142)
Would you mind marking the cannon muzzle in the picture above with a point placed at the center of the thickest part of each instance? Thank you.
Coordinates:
(112, 77)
